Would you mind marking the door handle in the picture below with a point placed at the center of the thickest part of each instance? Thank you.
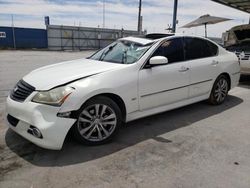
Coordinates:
(214, 62)
(184, 69)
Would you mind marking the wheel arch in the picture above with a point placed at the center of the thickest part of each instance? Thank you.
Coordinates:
(119, 101)
(116, 98)
(211, 97)
(227, 75)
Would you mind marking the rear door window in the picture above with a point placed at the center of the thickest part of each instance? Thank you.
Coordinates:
(213, 48)
(196, 48)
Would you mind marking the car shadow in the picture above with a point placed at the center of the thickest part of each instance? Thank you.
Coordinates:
(245, 81)
(133, 133)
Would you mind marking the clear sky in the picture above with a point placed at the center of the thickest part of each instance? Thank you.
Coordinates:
(157, 14)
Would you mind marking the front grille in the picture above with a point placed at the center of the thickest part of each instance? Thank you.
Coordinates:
(247, 56)
(21, 91)
(12, 120)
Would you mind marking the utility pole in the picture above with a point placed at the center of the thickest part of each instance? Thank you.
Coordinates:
(103, 16)
(175, 16)
(139, 29)
(13, 31)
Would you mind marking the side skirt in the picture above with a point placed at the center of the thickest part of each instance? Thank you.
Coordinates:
(140, 114)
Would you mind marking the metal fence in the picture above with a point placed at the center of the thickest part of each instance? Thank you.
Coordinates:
(82, 38)
(15, 37)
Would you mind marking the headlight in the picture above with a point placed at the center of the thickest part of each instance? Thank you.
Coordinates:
(54, 97)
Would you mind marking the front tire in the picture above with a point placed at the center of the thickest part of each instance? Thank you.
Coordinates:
(98, 121)
(220, 90)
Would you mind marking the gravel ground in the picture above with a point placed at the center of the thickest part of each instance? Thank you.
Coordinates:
(195, 146)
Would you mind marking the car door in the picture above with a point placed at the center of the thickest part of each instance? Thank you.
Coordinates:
(201, 55)
(165, 84)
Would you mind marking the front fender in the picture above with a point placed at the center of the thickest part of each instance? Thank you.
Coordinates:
(90, 87)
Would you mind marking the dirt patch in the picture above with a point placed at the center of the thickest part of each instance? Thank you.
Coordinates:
(8, 167)
(7, 164)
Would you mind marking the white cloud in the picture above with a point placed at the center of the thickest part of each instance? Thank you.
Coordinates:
(119, 13)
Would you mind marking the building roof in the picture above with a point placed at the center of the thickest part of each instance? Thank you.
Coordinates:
(243, 5)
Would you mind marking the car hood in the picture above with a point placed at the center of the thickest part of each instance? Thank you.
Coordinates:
(54, 75)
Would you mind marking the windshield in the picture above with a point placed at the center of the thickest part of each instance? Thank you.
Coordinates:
(122, 52)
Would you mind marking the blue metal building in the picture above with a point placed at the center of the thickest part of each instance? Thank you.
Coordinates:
(23, 38)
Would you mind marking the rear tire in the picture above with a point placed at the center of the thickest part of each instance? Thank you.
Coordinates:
(98, 122)
(220, 90)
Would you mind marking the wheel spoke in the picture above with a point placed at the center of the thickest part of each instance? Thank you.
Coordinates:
(86, 113)
(86, 129)
(216, 94)
(221, 82)
(224, 92)
(218, 97)
(224, 88)
(104, 130)
(90, 133)
(217, 89)
(223, 85)
(111, 116)
(104, 107)
(109, 123)
(97, 106)
(99, 132)
(84, 120)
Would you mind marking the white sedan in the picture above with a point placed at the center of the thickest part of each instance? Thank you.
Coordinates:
(130, 79)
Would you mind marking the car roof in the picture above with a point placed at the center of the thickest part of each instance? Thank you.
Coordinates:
(146, 41)
(139, 40)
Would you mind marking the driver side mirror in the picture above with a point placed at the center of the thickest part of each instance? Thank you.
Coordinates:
(158, 60)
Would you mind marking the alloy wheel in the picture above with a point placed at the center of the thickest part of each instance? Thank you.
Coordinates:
(221, 90)
(97, 122)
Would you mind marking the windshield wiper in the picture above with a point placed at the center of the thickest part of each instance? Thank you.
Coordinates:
(106, 52)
